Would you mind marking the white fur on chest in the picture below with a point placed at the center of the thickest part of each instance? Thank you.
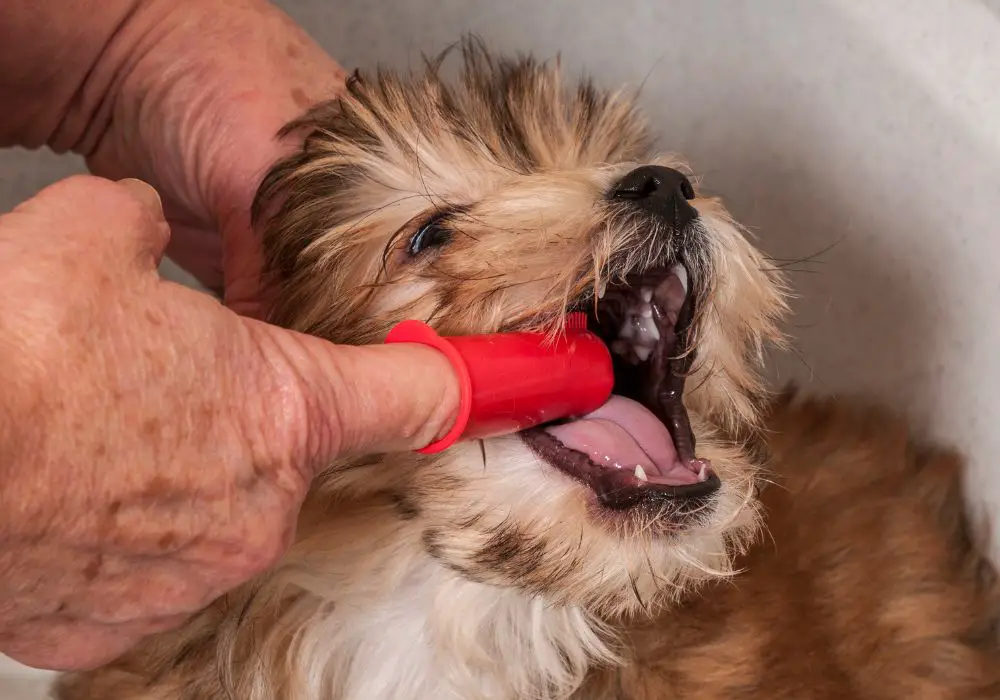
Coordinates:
(396, 624)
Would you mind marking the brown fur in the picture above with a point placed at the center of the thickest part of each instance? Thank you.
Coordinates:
(481, 572)
(872, 584)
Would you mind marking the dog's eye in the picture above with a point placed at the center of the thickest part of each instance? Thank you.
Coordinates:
(430, 235)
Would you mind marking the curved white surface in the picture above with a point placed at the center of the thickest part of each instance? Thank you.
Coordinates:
(863, 136)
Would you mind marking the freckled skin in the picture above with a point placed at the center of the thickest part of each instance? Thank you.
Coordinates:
(155, 456)
(300, 98)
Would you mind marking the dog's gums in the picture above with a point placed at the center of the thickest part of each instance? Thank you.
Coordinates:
(639, 447)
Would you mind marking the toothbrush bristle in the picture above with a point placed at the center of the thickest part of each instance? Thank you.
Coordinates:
(576, 321)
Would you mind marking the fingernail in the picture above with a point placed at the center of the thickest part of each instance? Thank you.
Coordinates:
(144, 192)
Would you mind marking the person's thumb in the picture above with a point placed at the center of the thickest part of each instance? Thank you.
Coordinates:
(337, 400)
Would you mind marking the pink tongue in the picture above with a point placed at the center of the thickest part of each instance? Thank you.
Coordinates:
(622, 434)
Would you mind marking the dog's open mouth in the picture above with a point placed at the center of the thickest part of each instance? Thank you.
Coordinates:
(639, 446)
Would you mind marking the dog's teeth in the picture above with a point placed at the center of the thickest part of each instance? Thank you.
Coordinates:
(642, 352)
(701, 473)
(652, 333)
(682, 276)
(602, 289)
(646, 333)
(640, 473)
(647, 294)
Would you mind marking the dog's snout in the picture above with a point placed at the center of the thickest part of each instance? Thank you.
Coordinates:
(661, 191)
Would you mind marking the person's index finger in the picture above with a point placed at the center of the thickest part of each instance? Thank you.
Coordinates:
(119, 219)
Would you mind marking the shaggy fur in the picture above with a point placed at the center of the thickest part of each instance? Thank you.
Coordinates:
(482, 573)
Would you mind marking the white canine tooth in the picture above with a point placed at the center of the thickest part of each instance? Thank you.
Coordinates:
(653, 333)
(602, 289)
(640, 473)
(701, 473)
(682, 275)
(646, 332)
(642, 352)
(646, 293)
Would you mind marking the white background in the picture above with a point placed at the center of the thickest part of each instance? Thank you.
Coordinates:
(864, 136)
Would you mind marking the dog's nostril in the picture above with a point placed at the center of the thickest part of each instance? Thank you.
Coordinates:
(654, 182)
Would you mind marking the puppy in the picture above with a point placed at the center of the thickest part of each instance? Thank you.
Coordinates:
(615, 556)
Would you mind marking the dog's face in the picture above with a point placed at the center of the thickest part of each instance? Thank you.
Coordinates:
(499, 203)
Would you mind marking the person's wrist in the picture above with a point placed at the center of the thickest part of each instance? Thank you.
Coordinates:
(58, 65)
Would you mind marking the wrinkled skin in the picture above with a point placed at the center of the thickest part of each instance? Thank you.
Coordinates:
(183, 94)
(155, 446)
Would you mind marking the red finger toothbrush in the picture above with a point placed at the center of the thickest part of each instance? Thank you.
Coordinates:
(515, 381)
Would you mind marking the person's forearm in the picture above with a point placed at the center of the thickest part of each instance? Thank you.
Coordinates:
(70, 67)
(59, 62)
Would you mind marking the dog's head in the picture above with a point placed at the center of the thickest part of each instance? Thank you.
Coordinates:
(498, 202)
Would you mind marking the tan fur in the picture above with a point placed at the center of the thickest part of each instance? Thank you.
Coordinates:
(872, 585)
(484, 573)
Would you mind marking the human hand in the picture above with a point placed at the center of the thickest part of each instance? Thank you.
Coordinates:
(203, 90)
(155, 446)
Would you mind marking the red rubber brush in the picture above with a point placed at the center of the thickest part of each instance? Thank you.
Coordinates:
(515, 381)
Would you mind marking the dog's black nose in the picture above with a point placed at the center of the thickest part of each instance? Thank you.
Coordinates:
(663, 192)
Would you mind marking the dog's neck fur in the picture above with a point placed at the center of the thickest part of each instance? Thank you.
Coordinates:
(382, 619)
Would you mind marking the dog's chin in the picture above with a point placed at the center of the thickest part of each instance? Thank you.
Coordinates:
(498, 514)
(637, 453)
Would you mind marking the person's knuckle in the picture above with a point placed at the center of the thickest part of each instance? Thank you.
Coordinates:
(84, 199)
